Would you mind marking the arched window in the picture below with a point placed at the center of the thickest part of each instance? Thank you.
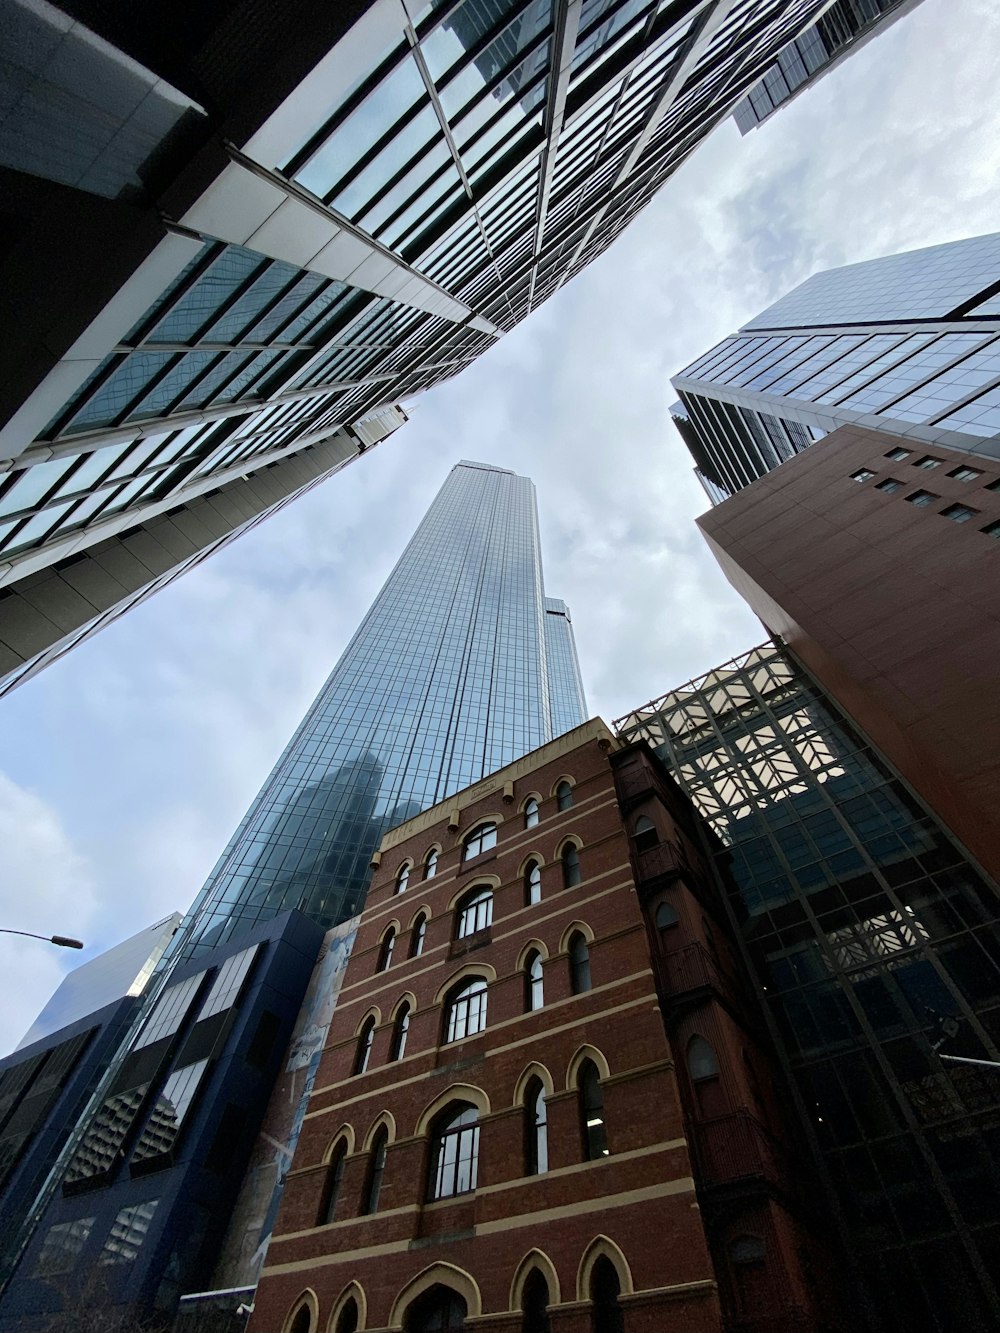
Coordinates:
(579, 965)
(535, 1304)
(536, 1132)
(417, 936)
(331, 1186)
(605, 1288)
(481, 839)
(665, 916)
(376, 1170)
(530, 812)
(564, 796)
(385, 953)
(533, 883)
(365, 1040)
(402, 879)
(455, 1152)
(439, 1310)
(302, 1323)
(645, 835)
(400, 1028)
(595, 1139)
(751, 1283)
(534, 979)
(570, 866)
(347, 1320)
(466, 1011)
(703, 1067)
(474, 912)
(431, 864)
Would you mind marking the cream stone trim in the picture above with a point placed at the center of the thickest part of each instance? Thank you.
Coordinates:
(565, 777)
(492, 882)
(385, 1118)
(532, 946)
(532, 1261)
(705, 1286)
(427, 913)
(458, 1092)
(595, 729)
(356, 1290)
(662, 1189)
(487, 817)
(575, 928)
(577, 1168)
(310, 1300)
(533, 1070)
(407, 997)
(345, 1222)
(373, 1011)
(391, 924)
(448, 1275)
(643, 1001)
(483, 970)
(576, 841)
(535, 856)
(603, 1247)
(345, 1133)
(582, 1053)
(603, 1203)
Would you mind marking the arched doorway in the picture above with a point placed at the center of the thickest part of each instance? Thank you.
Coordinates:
(439, 1310)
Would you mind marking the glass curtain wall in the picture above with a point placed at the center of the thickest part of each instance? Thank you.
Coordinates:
(864, 923)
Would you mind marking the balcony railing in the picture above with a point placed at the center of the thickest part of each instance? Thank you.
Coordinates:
(663, 859)
(690, 969)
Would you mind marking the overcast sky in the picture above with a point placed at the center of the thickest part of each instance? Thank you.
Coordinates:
(125, 767)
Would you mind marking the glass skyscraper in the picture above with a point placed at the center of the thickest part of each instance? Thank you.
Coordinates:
(453, 673)
(845, 25)
(863, 924)
(908, 344)
(235, 254)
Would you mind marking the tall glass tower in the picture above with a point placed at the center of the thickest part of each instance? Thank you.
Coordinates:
(453, 673)
(907, 344)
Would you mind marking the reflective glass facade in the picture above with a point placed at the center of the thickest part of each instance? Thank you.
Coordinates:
(447, 679)
(817, 50)
(908, 344)
(566, 697)
(862, 922)
(371, 228)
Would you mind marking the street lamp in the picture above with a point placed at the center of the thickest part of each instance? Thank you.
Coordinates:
(63, 941)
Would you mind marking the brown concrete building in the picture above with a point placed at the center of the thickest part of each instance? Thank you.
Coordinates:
(876, 558)
(542, 1105)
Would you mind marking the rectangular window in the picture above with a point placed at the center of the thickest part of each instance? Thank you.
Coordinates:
(863, 474)
(992, 529)
(959, 513)
(922, 498)
(927, 462)
(965, 473)
(993, 486)
(897, 455)
(889, 485)
(128, 1231)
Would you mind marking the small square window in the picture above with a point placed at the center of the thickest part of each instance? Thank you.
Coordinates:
(964, 473)
(897, 455)
(959, 513)
(993, 486)
(927, 462)
(889, 485)
(992, 529)
(922, 498)
(863, 474)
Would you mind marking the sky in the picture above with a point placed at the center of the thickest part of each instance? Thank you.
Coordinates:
(125, 767)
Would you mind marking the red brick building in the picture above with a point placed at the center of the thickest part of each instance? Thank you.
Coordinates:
(541, 1041)
(876, 559)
